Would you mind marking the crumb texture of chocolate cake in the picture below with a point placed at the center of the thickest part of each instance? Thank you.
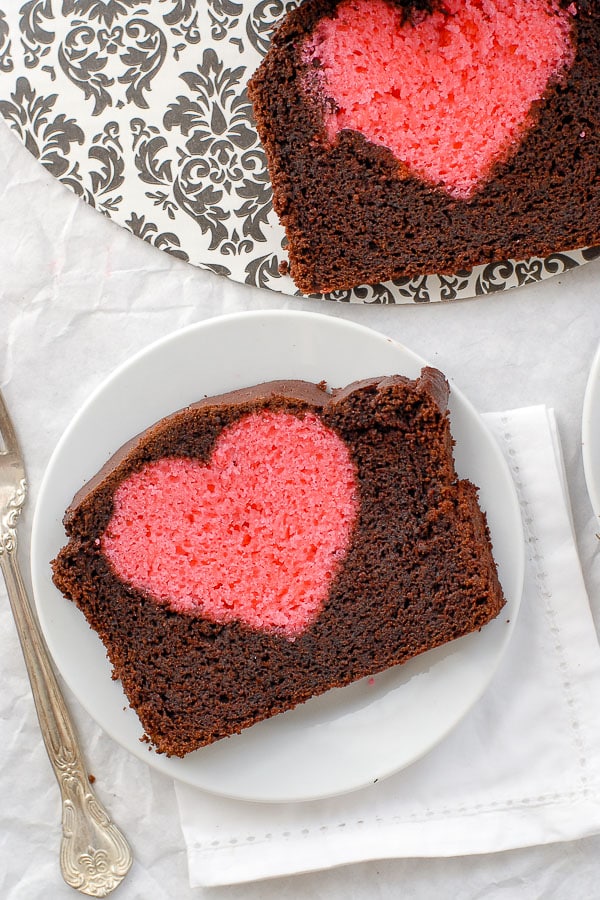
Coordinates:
(408, 138)
(261, 547)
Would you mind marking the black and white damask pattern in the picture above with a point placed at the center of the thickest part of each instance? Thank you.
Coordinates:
(140, 107)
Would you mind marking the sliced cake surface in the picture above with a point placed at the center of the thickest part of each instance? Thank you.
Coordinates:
(261, 547)
(408, 137)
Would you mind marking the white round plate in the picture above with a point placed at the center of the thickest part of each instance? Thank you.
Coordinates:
(348, 737)
(590, 434)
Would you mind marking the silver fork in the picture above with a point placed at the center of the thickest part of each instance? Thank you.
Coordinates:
(94, 855)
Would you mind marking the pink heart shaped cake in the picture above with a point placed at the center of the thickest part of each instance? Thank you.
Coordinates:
(255, 535)
(259, 548)
(449, 93)
(408, 137)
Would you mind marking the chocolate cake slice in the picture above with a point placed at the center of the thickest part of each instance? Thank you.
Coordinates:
(261, 547)
(407, 138)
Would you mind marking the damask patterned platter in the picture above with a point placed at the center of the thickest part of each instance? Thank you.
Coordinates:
(140, 107)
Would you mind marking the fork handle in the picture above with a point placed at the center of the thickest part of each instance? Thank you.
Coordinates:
(94, 855)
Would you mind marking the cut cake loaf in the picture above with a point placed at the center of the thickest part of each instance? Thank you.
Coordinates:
(410, 137)
(261, 547)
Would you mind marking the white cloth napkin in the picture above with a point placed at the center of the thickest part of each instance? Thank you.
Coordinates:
(522, 768)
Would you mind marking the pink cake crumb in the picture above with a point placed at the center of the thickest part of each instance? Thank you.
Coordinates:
(448, 94)
(255, 536)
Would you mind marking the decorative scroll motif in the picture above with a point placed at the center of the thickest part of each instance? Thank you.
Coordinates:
(452, 286)
(262, 21)
(148, 231)
(263, 271)
(6, 63)
(140, 107)
(36, 37)
(108, 175)
(98, 62)
(222, 158)
(94, 855)
(499, 276)
(47, 133)
(153, 163)
(8, 521)
(224, 16)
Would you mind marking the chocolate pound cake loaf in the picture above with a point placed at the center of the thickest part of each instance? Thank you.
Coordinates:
(261, 547)
(407, 137)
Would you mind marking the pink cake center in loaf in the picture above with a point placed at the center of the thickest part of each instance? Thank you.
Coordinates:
(255, 536)
(448, 93)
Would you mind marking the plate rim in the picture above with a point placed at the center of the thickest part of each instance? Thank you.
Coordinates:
(154, 759)
(590, 433)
